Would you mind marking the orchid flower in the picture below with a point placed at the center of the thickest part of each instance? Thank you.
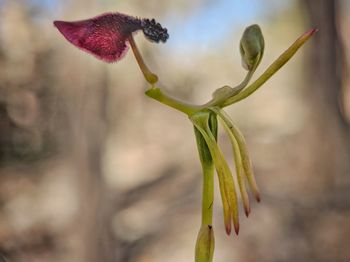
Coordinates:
(107, 37)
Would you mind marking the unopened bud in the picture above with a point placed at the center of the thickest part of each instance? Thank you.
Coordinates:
(252, 47)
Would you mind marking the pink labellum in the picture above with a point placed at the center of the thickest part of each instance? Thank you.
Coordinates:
(103, 36)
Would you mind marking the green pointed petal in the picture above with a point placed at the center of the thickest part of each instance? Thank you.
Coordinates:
(239, 168)
(227, 188)
(247, 166)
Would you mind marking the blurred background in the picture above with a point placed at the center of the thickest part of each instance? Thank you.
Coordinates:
(93, 170)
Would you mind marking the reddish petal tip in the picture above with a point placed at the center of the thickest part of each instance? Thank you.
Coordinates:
(228, 229)
(237, 228)
(257, 197)
(310, 32)
(247, 211)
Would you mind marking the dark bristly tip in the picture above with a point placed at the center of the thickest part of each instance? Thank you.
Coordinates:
(154, 31)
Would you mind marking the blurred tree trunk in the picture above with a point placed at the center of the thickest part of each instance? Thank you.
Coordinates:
(323, 223)
(95, 235)
(324, 78)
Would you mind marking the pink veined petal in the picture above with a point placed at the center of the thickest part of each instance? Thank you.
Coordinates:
(104, 36)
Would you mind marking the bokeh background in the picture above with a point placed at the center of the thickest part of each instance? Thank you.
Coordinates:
(93, 170)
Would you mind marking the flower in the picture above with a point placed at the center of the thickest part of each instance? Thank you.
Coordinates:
(105, 36)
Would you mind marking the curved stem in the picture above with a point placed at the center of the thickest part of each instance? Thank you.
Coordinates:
(235, 90)
(149, 76)
(158, 95)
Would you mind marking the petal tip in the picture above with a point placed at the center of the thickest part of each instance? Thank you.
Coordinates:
(258, 198)
(311, 32)
(247, 211)
(237, 228)
(228, 229)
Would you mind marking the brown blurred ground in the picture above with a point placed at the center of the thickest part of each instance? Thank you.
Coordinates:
(92, 170)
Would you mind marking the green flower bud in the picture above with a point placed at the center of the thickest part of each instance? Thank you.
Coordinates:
(252, 47)
(205, 244)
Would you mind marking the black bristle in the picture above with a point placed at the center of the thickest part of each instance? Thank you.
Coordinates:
(154, 31)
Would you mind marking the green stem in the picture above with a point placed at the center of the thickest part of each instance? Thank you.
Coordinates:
(149, 76)
(157, 94)
(205, 241)
(208, 194)
(215, 101)
(208, 171)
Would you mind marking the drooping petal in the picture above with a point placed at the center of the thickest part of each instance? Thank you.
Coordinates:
(239, 168)
(226, 183)
(246, 162)
(103, 36)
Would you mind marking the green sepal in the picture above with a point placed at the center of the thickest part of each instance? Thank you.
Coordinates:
(203, 150)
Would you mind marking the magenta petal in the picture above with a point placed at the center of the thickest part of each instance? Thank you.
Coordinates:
(103, 36)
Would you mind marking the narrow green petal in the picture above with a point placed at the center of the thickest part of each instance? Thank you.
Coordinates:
(247, 166)
(239, 168)
(227, 188)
